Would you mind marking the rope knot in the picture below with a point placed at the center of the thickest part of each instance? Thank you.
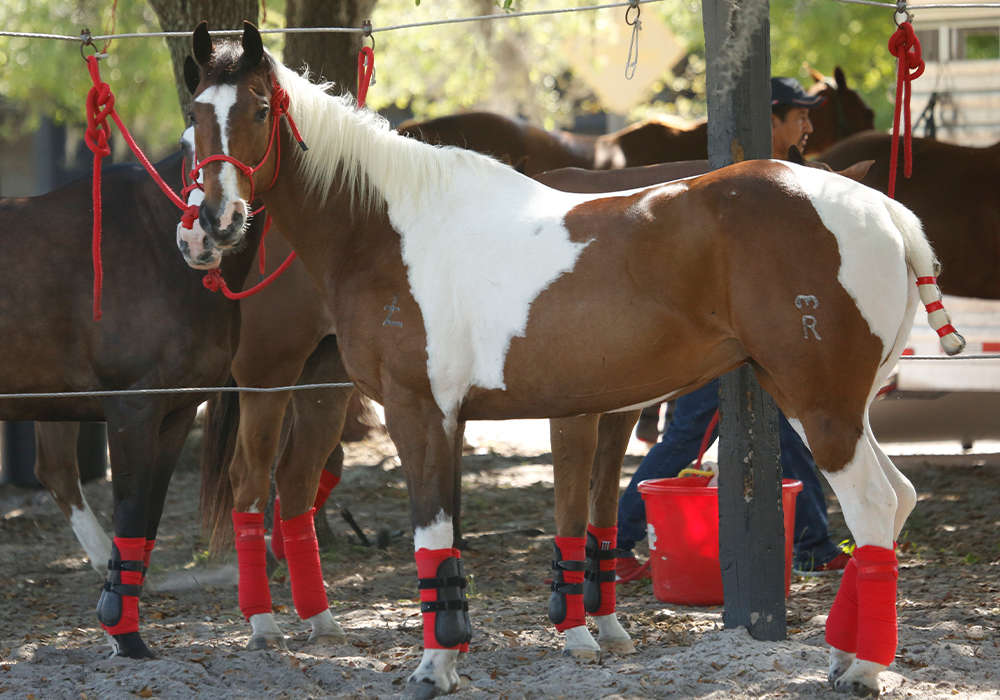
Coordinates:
(903, 44)
(189, 216)
(213, 281)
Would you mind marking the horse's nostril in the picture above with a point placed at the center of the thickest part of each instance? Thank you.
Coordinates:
(205, 219)
(237, 220)
(185, 248)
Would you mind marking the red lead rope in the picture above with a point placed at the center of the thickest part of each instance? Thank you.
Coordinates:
(366, 66)
(905, 46)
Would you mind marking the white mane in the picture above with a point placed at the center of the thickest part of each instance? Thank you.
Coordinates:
(374, 161)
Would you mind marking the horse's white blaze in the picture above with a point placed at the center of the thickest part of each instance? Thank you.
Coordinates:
(476, 267)
(438, 535)
(222, 98)
(859, 219)
(91, 536)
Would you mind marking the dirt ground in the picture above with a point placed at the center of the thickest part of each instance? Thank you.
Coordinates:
(52, 647)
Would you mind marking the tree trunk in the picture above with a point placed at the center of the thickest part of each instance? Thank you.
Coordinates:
(182, 15)
(328, 56)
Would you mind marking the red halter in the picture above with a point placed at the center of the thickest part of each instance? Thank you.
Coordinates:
(279, 109)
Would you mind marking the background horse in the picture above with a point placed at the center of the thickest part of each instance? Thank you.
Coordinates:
(508, 299)
(532, 150)
(953, 190)
(160, 328)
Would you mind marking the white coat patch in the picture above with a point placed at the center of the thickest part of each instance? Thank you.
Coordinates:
(476, 263)
(856, 215)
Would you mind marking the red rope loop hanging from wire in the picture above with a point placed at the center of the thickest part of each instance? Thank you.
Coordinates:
(905, 46)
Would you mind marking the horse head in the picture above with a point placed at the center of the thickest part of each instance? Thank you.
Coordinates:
(841, 114)
(194, 243)
(855, 171)
(235, 130)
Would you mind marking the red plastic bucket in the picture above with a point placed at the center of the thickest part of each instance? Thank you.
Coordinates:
(682, 518)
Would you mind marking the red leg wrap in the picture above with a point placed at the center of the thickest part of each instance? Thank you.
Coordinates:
(572, 549)
(251, 552)
(277, 538)
(428, 569)
(130, 549)
(308, 592)
(605, 538)
(877, 629)
(327, 483)
(842, 624)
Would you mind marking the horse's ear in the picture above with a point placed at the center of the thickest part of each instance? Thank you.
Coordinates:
(201, 42)
(192, 76)
(840, 78)
(795, 156)
(253, 46)
(858, 170)
(815, 74)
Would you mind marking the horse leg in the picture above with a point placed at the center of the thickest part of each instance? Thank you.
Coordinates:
(132, 437)
(173, 433)
(57, 469)
(613, 432)
(318, 419)
(574, 444)
(427, 450)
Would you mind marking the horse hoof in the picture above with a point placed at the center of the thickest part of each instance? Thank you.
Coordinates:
(621, 647)
(584, 654)
(259, 642)
(858, 688)
(327, 638)
(131, 646)
(422, 689)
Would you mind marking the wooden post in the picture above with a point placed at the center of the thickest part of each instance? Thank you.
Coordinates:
(751, 528)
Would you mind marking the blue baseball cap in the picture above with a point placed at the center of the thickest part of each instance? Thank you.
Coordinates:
(787, 91)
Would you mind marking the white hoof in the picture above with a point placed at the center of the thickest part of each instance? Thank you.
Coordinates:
(326, 629)
(840, 661)
(580, 645)
(436, 674)
(861, 678)
(612, 636)
(266, 633)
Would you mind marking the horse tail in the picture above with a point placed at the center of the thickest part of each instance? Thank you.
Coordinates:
(222, 418)
(925, 266)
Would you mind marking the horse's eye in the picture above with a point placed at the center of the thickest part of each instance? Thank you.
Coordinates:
(261, 114)
(190, 118)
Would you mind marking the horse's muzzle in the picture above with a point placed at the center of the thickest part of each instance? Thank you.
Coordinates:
(225, 229)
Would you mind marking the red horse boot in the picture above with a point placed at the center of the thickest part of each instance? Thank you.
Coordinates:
(566, 599)
(118, 605)
(308, 591)
(447, 631)
(599, 589)
(877, 571)
(255, 594)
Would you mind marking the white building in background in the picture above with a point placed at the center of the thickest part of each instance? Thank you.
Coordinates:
(961, 50)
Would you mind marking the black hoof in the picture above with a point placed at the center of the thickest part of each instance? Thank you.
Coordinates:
(131, 646)
(421, 690)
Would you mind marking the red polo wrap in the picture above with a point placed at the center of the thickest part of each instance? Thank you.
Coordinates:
(606, 538)
(129, 549)
(877, 628)
(573, 549)
(842, 623)
(251, 553)
(302, 550)
(327, 482)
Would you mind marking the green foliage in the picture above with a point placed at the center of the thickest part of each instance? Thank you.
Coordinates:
(47, 77)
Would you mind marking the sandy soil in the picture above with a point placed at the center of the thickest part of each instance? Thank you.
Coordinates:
(52, 647)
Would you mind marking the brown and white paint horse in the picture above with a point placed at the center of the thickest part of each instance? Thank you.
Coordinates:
(461, 289)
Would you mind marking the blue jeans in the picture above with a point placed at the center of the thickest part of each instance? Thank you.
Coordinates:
(679, 447)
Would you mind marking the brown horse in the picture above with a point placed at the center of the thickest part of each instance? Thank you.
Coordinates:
(953, 189)
(460, 289)
(160, 328)
(532, 150)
